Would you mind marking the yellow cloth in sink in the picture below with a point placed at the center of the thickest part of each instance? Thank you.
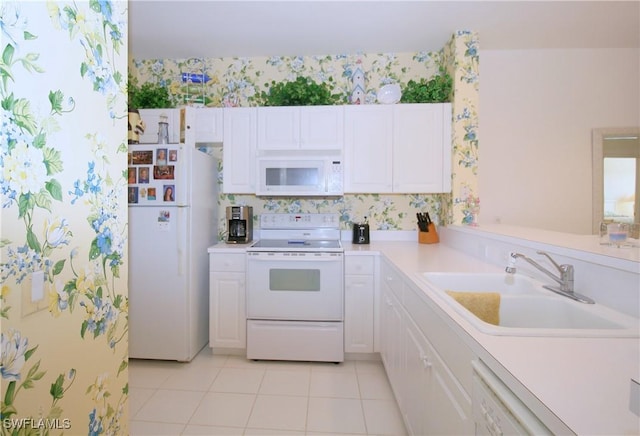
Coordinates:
(484, 305)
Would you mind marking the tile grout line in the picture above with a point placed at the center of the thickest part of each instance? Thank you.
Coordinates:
(364, 416)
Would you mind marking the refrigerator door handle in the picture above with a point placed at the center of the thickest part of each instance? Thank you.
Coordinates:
(182, 239)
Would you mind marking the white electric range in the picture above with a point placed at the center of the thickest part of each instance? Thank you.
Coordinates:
(295, 289)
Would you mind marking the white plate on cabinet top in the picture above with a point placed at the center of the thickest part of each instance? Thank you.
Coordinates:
(389, 94)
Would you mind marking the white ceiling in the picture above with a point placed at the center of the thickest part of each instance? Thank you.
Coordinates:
(174, 29)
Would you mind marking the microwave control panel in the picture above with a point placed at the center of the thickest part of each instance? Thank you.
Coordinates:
(335, 177)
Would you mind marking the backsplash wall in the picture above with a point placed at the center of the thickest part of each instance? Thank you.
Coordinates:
(236, 82)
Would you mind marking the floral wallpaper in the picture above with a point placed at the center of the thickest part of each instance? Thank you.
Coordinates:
(63, 245)
(461, 57)
(231, 82)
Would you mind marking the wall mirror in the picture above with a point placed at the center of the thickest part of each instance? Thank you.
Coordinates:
(616, 175)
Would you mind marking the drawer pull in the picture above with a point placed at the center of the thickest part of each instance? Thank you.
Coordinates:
(426, 363)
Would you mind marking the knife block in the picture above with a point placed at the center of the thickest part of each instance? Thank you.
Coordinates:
(430, 237)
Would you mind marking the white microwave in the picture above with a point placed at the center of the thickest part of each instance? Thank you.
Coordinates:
(300, 176)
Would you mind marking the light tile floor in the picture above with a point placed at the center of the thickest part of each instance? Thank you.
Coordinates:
(230, 395)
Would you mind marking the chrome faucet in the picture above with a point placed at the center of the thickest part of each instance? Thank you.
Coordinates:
(565, 280)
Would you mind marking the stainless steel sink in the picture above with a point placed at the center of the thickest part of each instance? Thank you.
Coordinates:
(527, 309)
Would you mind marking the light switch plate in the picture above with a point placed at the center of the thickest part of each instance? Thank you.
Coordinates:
(33, 294)
(37, 286)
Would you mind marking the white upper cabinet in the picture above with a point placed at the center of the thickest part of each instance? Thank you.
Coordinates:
(200, 125)
(239, 151)
(367, 148)
(401, 148)
(151, 118)
(203, 124)
(300, 128)
(278, 128)
(421, 148)
(322, 127)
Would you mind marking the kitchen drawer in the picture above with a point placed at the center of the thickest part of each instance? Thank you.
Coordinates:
(227, 262)
(359, 264)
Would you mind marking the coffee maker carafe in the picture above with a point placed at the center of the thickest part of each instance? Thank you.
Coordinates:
(240, 224)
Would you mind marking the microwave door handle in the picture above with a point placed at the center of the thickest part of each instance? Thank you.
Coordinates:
(326, 182)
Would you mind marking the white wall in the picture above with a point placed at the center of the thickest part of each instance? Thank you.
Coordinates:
(537, 110)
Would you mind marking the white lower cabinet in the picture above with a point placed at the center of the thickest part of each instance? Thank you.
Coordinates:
(430, 396)
(227, 317)
(359, 290)
(392, 336)
(436, 405)
(392, 347)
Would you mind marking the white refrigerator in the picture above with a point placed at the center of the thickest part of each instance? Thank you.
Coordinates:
(173, 198)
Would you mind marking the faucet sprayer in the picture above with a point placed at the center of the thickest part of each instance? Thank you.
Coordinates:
(565, 279)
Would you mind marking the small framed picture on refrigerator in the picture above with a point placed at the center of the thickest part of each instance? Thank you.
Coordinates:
(133, 194)
(143, 175)
(131, 174)
(168, 193)
(163, 172)
(142, 157)
(161, 156)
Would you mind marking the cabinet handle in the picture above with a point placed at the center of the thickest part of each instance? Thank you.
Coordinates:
(426, 363)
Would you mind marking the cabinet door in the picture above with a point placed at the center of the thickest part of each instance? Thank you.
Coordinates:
(208, 124)
(435, 403)
(392, 344)
(239, 151)
(278, 128)
(421, 148)
(368, 149)
(151, 118)
(322, 127)
(358, 314)
(227, 315)
(418, 368)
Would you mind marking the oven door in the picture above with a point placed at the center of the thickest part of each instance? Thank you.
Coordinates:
(296, 286)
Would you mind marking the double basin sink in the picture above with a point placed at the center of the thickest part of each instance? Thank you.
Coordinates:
(527, 309)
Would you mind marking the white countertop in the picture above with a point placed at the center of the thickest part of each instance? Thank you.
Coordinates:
(587, 247)
(585, 382)
(582, 382)
(222, 247)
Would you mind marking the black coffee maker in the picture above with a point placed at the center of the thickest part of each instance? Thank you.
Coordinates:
(360, 233)
(240, 224)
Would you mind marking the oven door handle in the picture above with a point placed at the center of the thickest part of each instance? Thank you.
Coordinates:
(271, 258)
